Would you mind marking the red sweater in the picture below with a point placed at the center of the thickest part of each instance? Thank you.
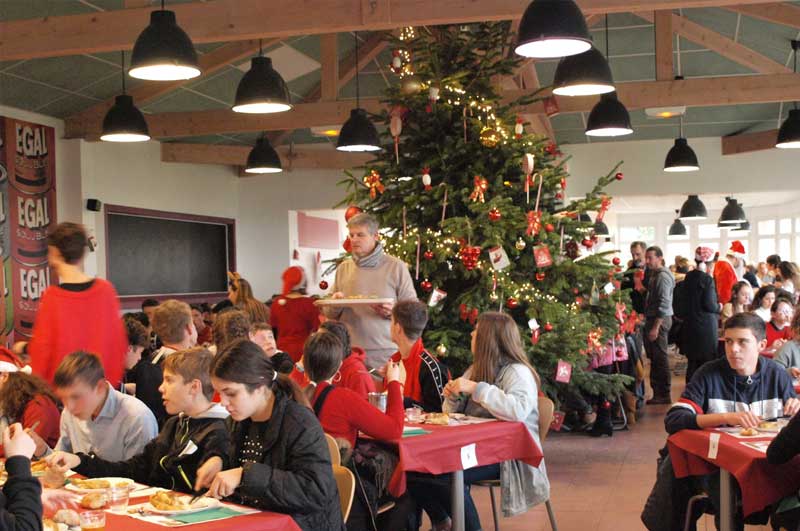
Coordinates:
(354, 374)
(774, 334)
(85, 320)
(43, 410)
(344, 414)
(724, 278)
(294, 319)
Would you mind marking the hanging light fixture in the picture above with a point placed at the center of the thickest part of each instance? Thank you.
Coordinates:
(585, 74)
(263, 158)
(692, 209)
(681, 157)
(789, 133)
(677, 231)
(601, 230)
(163, 51)
(358, 132)
(262, 90)
(552, 28)
(733, 213)
(743, 229)
(609, 117)
(123, 121)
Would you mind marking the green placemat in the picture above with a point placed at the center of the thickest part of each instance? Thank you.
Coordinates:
(216, 513)
(414, 432)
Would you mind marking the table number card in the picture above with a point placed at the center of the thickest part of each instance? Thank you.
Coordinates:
(713, 445)
(469, 456)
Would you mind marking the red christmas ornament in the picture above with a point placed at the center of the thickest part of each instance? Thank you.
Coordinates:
(512, 303)
(469, 256)
(323, 284)
(426, 285)
(351, 211)
(548, 327)
(347, 246)
(606, 405)
(578, 300)
(559, 195)
(540, 276)
(616, 261)
(619, 176)
(552, 149)
(428, 255)
(495, 215)
(618, 269)
(549, 227)
(575, 291)
(588, 243)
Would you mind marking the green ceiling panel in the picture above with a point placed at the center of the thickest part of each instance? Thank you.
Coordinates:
(638, 68)
(626, 41)
(67, 106)
(24, 94)
(180, 101)
(720, 20)
(221, 86)
(70, 73)
(309, 46)
(771, 40)
(732, 113)
(372, 85)
(568, 121)
(301, 86)
(687, 45)
(704, 64)
(25, 9)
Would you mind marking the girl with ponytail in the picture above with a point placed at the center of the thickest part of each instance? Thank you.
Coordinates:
(280, 454)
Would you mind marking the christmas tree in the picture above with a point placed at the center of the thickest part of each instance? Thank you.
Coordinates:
(477, 209)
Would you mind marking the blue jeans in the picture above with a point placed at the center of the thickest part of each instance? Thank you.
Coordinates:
(432, 493)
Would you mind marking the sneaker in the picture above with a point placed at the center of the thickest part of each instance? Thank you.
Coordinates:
(659, 401)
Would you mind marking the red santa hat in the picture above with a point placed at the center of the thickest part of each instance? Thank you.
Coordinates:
(293, 278)
(737, 249)
(9, 362)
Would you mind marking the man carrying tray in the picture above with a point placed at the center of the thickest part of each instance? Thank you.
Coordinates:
(370, 273)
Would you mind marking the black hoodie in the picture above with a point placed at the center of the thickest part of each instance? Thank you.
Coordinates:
(21, 500)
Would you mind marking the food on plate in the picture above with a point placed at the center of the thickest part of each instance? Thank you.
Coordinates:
(169, 501)
(748, 432)
(53, 479)
(68, 517)
(93, 500)
(39, 466)
(50, 525)
(441, 419)
(768, 425)
(91, 484)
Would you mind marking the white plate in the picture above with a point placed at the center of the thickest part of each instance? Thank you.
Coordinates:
(200, 505)
(780, 425)
(351, 302)
(113, 481)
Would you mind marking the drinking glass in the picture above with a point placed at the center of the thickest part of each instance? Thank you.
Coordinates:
(93, 520)
(118, 499)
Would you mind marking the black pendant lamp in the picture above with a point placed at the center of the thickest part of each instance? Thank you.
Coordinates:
(609, 117)
(358, 132)
(693, 209)
(789, 133)
(743, 229)
(552, 28)
(263, 158)
(262, 90)
(163, 51)
(601, 230)
(677, 231)
(123, 121)
(585, 74)
(733, 213)
(681, 157)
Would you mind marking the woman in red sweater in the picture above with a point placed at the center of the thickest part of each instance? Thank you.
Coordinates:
(81, 313)
(27, 399)
(293, 315)
(353, 373)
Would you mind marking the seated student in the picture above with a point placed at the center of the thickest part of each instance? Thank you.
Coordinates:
(172, 323)
(500, 383)
(280, 453)
(26, 399)
(194, 433)
(229, 326)
(148, 308)
(204, 334)
(738, 390)
(426, 376)
(783, 448)
(261, 334)
(778, 329)
(353, 373)
(138, 341)
(21, 502)
(788, 356)
(97, 418)
(741, 298)
(763, 300)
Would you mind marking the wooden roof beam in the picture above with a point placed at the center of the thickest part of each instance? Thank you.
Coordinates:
(691, 92)
(665, 69)
(298, 158)
(748, 142)
(777, 13)
(231, 20)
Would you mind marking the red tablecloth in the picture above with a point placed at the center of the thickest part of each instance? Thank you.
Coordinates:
(761, 483)
(439, 452)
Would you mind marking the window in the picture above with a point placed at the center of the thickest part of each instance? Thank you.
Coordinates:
(677, 249)
(766, 246)
(646, 234)
(766, 228)
(785, 226)
(784, 247)
(708, 231)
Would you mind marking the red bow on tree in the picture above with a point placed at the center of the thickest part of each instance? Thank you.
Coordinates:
(534, 223)
(373, 182)
(604, 206)
(481, 186)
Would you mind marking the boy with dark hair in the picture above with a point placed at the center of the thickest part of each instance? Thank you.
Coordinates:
(779, 330)
(740, 389)
(204, 334)
(426, 376)
(97, 418)
(191, 436)
(229, 326)
(261, 334)
(138, 341)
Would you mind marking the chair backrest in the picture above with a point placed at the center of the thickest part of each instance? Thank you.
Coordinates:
(346, 483)
(546, 408)
(333, 448)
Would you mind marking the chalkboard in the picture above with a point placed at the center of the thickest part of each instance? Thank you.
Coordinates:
(150, 255)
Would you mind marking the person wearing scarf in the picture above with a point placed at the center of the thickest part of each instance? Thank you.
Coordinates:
(369, 273)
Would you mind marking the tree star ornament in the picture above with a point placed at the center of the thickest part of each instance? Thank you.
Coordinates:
(373, 182)
(426, 179)
(481, 187)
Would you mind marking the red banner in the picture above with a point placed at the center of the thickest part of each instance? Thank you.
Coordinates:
(27, 154)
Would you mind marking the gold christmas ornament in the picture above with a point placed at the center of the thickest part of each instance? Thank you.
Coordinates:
(520, 245)
(410, 85)
(441, 350)
(489, 137)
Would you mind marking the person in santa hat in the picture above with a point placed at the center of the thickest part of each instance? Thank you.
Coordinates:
(729, 271)
(26, 399)
(293, 316)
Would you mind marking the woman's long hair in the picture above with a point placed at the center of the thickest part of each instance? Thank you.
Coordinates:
(242, 361)
(739, 286)
(246, 301)
(18, 391)
(789, 271)
(497, 343)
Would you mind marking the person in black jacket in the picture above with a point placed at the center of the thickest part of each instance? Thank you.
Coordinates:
(280, 455)
(781, 450)
(695, 303)
(194, 433)
(20, 501)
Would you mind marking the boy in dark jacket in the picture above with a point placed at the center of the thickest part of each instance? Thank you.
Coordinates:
(20, 501)
(193, 434)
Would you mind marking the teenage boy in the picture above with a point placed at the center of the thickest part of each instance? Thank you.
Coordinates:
(138, 341)
(194, 432)
(426, 376)
(97, 419)
(20, 501)
(172, 322)
(740, 389)
(261, 334)
(204, 335)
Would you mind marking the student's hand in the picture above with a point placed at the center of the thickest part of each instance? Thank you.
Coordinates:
(62, 461)
(41, 446)
(794, 372)
(791, 407)
(337, 295)
(395, 372)
(384, 310)
(206, 473)
(459, 386)
(778, 344)
(652, 334)
(17, 442)
(19, 347)
(55, 499)
(225, 483)
(745, 419)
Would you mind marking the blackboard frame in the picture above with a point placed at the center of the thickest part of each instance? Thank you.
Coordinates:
(135, 301)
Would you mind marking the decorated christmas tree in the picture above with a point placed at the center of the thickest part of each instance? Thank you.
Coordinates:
(478, 210)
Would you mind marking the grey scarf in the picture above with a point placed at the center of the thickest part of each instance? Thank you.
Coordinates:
(372, 259)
